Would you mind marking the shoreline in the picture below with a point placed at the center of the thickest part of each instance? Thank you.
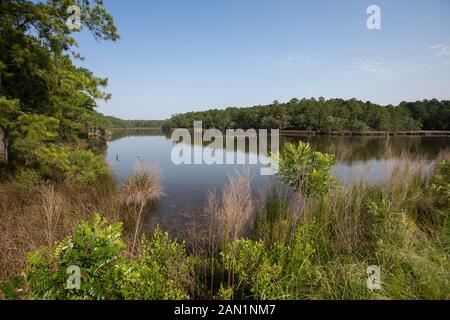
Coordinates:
(423, 133)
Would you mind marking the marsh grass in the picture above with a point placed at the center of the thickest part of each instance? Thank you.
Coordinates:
(35, 216)
(320, 249)
(30, 219)
(227, 216)
(275, 244)
(364, 224)
(138, 195)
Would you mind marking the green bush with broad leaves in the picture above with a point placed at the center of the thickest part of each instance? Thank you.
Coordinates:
(161, 269)
(94, 248)
(306, 170)
(249, 270)
(258, 271)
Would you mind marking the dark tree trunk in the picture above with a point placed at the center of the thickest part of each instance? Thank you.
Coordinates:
(3, 145)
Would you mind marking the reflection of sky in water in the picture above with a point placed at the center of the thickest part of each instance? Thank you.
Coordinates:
(187, 186)
(372, 171)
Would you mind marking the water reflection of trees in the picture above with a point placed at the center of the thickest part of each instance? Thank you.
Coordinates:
(117, 135)
(100, 146)
(351, 149)
(348, 149)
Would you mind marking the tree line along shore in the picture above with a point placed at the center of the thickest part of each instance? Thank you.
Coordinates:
(312, 116)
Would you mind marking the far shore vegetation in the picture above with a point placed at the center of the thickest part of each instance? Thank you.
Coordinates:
(320, 116)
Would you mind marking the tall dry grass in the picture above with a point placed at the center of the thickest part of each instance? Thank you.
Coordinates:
(31, 219)
(231, 213)
(51, 205)
(138, 195)
(227, 216)
(47, 213)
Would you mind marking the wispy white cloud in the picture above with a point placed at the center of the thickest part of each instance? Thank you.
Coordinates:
(367, 67)
(296, 61)
(441, 50)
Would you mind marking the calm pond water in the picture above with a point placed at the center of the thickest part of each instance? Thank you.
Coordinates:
(186, 186)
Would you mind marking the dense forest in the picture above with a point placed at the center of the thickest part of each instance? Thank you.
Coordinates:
(325, 116)
(47, 102)
(320, 115)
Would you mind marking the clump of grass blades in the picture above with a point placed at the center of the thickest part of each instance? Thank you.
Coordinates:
(139, 193)
(46, 213)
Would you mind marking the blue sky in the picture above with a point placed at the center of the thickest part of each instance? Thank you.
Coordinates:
(177, 56)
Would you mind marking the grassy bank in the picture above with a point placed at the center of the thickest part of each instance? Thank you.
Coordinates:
(281, 244)
(41, 213)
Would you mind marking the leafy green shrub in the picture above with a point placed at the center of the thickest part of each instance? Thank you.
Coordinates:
(8, 107)
(54, 161)
(243, 258)
(302, 251)
(160, 272)
(86, 167)
(250, 271)
(306, 170)
(162, 269)
(32, 132)
(80, 166)
(94, 249)
(27, 179)
(299, 265)
(224, 293)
